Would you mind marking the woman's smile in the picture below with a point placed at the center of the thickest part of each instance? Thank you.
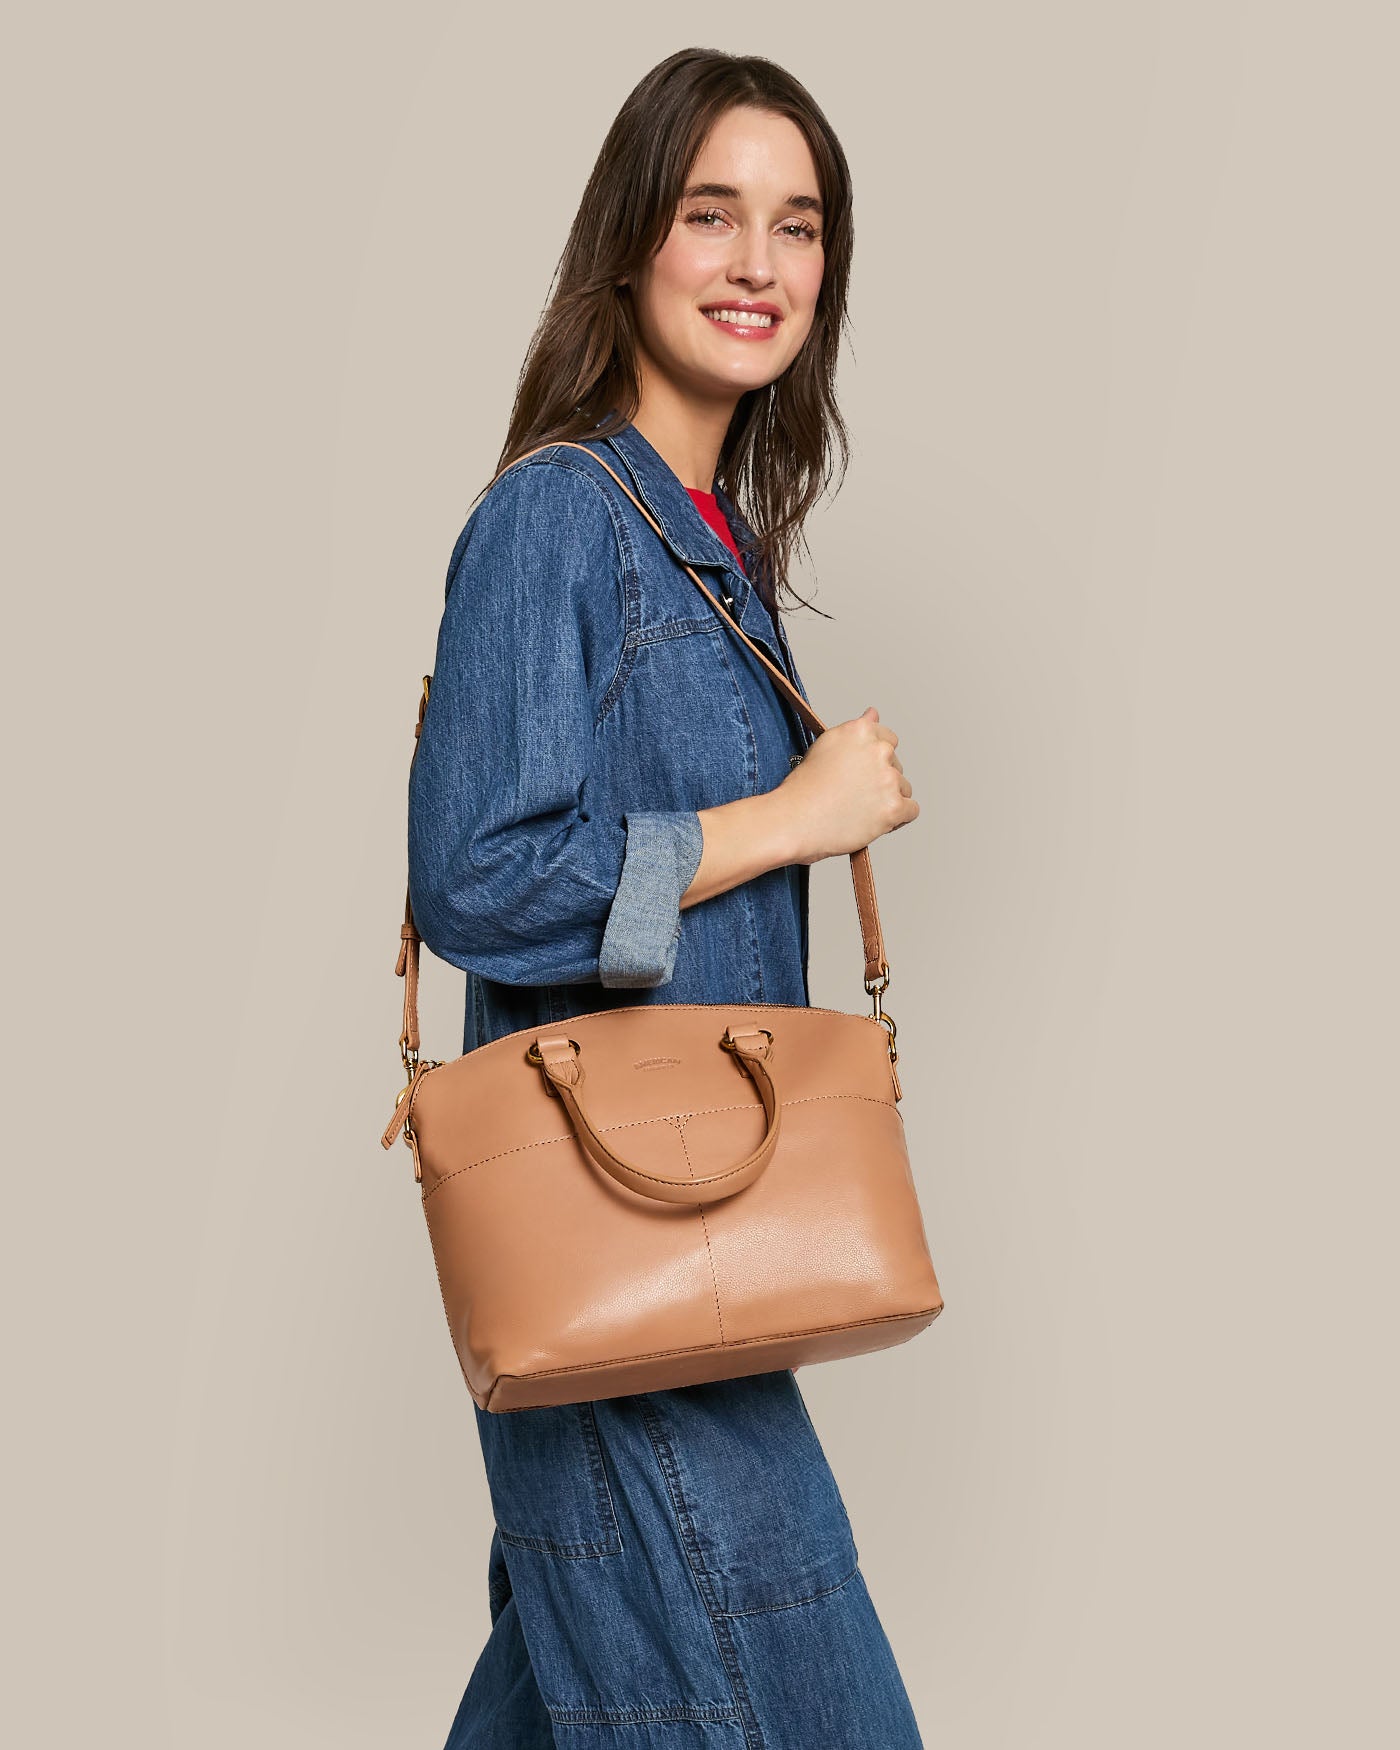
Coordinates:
(743, 320)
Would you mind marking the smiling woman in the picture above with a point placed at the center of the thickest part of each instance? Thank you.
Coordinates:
(613, 804)
(748, 318)
(720, 185)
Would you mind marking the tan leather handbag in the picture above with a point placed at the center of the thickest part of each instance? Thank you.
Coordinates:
(653, 1196)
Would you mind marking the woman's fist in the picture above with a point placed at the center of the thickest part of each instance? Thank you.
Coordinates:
(848, 790)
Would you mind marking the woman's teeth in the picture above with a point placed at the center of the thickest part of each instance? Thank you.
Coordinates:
(744, 318)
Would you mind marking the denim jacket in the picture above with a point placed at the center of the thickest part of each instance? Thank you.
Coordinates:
(586, 702)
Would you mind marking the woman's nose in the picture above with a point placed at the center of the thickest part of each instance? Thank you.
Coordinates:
(753, 264)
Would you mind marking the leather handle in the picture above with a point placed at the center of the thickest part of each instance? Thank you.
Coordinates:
(564, 1076)
(862, 874)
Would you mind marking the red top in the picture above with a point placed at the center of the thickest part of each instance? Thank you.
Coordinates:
(708, 506)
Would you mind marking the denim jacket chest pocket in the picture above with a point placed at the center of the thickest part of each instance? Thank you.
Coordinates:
(586, 702)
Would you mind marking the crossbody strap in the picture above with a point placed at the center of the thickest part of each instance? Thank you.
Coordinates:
(877, 971)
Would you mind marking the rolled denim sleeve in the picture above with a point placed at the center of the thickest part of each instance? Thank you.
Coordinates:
(513, 873)
(643, 929)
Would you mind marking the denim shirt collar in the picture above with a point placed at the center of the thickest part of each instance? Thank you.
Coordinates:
(694, 542)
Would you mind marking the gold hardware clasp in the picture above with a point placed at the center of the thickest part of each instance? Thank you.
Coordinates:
(533, 1054)
(412, 1065)
(874, 988)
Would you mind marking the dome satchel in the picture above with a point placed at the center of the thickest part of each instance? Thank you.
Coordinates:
(656, 1196)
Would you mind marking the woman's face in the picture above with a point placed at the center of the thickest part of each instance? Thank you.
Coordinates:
(748, 232)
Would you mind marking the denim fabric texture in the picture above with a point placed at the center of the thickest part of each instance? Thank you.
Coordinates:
(671, 1570)
(675, 1570)
(586, 703)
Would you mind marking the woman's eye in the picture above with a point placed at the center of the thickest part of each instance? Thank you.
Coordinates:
(799, 226)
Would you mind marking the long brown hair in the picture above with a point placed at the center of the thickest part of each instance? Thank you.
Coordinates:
(581, 364)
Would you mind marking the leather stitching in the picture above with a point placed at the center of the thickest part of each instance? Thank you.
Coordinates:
(635, 1123)
(709, 1249)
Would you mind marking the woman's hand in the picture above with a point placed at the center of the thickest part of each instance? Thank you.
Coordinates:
(848, 790)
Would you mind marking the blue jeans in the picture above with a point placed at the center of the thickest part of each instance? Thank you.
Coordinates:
(675, 1570)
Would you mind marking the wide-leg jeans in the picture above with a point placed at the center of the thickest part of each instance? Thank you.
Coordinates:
(675, 1570)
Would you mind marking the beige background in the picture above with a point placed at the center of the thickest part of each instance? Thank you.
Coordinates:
(1116, 557)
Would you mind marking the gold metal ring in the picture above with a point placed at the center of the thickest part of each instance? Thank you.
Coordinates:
(533, 1054)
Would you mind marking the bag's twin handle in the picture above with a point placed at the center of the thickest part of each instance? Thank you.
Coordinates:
(877, 971)
(562, 1062)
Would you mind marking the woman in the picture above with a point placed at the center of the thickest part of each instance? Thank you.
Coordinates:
(611, 803)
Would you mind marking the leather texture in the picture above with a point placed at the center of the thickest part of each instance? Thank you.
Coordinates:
(650, 1197)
